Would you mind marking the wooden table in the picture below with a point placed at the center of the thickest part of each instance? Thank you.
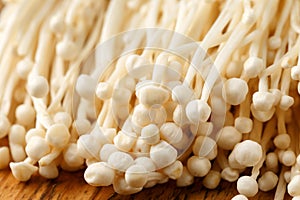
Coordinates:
(72, 186)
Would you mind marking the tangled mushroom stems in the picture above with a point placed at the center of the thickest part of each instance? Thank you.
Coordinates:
(140, 92)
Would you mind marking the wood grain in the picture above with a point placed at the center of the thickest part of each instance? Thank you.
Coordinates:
(72, 186)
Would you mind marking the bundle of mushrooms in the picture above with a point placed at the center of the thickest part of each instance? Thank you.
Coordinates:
(140, 92)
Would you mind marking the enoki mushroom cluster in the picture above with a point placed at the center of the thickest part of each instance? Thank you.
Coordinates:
(220, 100)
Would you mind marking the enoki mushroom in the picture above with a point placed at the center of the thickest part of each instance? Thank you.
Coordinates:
(140, 92)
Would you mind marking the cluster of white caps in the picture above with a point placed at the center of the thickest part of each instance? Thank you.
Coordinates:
(227, 109)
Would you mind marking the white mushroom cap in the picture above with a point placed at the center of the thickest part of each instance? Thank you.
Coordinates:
(150, 95)
(146, 162)
(274, 42)
(198, 166)
(37, 147)
(248, 153)
(72, 157)
(288, 158)
(179, 116)
(271, 160)
(198, 111)
(293, 186)
(286, 102)
(25, 114)
(228, 137)
(99, 174)
(267, 181)
(263, 101)
(67, 49)
(63, 118)
(86, 86)
(282, 141)
(247, 186)
(243, 124)
(104, 90)
(205, 147)
(212, 179)
(136, 176)
(24, 67)
(185, 179)
(82, 126)
(58, 135)
(125, 140)
(106, 151)
(57, 24)
(171, 133)
(150, 134)
(253, 67)
(262, 116)
(37, 86)
(234, 91)
(120, 161)
(163, 154)
(141, 115)
(22, 171)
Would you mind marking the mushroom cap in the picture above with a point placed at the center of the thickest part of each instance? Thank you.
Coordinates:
(247, 186)
(248, 153)
(99, 174)
(234, 91)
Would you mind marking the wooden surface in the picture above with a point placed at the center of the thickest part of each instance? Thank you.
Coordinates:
(72, 186)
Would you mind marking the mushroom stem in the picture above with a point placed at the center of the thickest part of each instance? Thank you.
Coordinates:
(216, 29)
(7, 61)
(222, 58)
(275, 40)
(281, 122)
(7, 99)
(115, 6)
(256, 132)
(74, 66)
(31, 34)
(268, 133)
(24, 11)
(44, 52)
(295, 16)
(281, 186)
